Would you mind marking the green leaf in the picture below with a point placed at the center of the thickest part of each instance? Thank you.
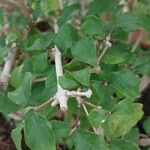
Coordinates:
(60, 129)
(124, 116)
(66, 37)
(67, 81)
(141, 64)
(50, 5)
(1, 18)
(127, 21)
(3, 52)
(97, 117)
(17, 135)
(39, 62)
(93, 26)
(21, 95)
(132, 136)
(146, 125)
(6, 105)
(85, 51)
(41, 42)
(38, 132)
(101, 94)
(98, 7)
(82, 76)
(69, 12)
(88, 141)
(16, 76)
(12, 37)
(114, 56)
(42, 91)
(126, 83)
(123, 145)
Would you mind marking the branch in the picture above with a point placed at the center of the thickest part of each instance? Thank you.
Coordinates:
(4, 78)
(84, 4)
(137, 42)
(40, 107)
(107, 45)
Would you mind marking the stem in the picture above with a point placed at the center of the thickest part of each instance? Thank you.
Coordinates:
(58, 63)
(107, 45)
(4, 78)
(84, 4)
(96, 130)
(101, 55)
(60, 4)
(137, 42)
(40, 107)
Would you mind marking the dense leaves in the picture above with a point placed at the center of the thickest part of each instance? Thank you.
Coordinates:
(114, 80)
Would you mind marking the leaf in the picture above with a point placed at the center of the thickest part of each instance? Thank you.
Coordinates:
(60, 129)
(130, 21)
(93, 26)
(50, 5)
(39, 62)
(1, 18)
(132, 136)
(3, 52)
(67, 81)
(141, 64)
(41, 42)
(17, 135)
(146, 125)
(97, 117)
(42, 91)
(12, 37)
(66, 37)
(123, 145)
(124, 116)
(88, 141)
(38, 132)
(82, 76)
(6, 105)
(85, 51)
(98, 7)
(114, 56)
(21, 95)
(16, 76)
(69, 12)
(126, 83)
(101, 94)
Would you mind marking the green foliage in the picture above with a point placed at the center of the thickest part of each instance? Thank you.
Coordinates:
(21, 95)
(146, 125)
(87, 140)
(38, 132)
(114, 79)
(85, 46)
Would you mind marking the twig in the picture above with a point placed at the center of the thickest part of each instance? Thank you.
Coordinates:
(60, 4)
(75, 128)
(84, 4)
(96, 130)
(40, 107)
(107, 45)
(136, 44)
(39, 79)
(4, 78)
